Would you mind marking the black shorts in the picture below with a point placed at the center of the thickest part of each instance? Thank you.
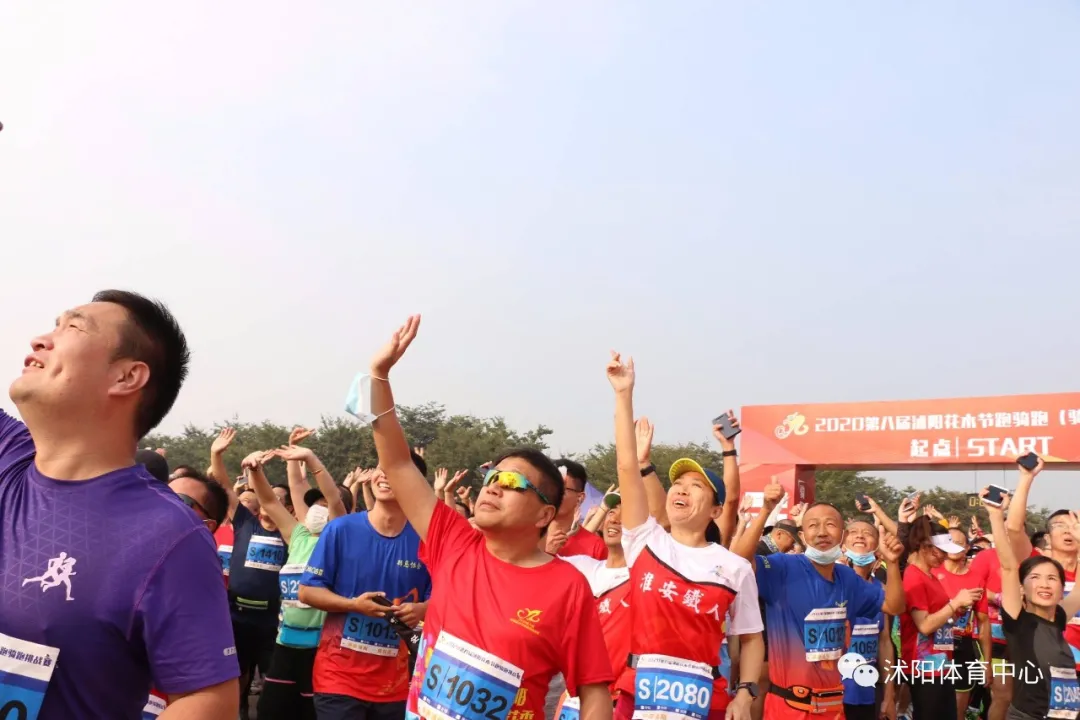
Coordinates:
(860, 712)
(287, 693)
(966, 652)
(254, 645)
(343, 707)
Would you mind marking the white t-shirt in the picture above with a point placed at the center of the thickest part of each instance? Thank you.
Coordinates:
(713, 564)
(601, 577)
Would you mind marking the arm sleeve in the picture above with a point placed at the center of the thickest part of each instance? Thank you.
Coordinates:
(321, 570)
(634, 541)
(15, 441)
(745, 611)
(184, 617)
(585, 657)
(771, 575)
(448, 533)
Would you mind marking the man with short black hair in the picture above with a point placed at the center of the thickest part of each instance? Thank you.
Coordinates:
(97, 607)
(563, 538)
(503, 612)
(208, 499)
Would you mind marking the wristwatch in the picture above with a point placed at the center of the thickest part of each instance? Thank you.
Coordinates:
(729, 453)
(751, 688)
(648, 470)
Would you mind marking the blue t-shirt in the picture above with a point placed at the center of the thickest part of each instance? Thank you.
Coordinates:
(257, 557)
(106, 586)
(808, 628)
(352, 558)
(864, 641)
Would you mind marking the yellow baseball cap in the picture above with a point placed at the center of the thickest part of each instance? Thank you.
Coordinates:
(684, 465)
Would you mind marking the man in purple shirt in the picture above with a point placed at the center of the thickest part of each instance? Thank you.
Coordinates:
(108, 582)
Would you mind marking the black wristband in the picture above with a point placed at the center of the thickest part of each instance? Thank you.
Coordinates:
(729, 453)
(648, 470)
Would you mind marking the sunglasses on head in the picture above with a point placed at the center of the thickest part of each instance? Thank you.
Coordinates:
(193, 504)
(510, 480)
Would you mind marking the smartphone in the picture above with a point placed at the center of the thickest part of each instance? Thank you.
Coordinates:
(1029, 462)
(862, 502)
(728, 430)
(995, 495)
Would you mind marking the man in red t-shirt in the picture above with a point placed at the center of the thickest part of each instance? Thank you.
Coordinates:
(504, 616)
(579, 541)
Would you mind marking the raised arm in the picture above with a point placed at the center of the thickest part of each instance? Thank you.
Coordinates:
(635, 503)
(294, 471)
(729, 517)
(411, 489)
(654, 489)
(882, 517)
(746, 546)
(1016, 523)
(253, 464)
(218, 471)
(323, 479)
(1012, 596)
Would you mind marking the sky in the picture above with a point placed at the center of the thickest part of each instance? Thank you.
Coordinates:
(761, 202)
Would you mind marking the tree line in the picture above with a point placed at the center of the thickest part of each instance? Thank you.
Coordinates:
(465, 442)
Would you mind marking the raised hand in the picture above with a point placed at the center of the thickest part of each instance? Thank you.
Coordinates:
(745, 504)
(992, 509)
(294, 453)
(724, 442)
(644, 431)
(933, 512)
(347, 483)
(908, 510)
(390, 353)
(556, 538)
(1030, 474)
(222, 441)
(890, 547)
(954, 522)
(299, 434)
(365, 476)
(440, 480)
(419, 450)
(620, 374)
(774, 493)
(451, 486)
(160, 451)
(797, 512)
(256, 460)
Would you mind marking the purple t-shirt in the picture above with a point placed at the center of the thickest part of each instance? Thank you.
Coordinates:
(106, 586)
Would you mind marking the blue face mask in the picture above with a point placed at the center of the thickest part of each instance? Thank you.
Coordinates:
(861, 559)
(823, 557)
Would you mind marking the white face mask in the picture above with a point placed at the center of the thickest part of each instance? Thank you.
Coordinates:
(316, 519)
(358, 399)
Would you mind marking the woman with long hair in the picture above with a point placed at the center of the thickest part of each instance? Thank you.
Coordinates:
(1034, 611)
(926, 626)
(954, 575)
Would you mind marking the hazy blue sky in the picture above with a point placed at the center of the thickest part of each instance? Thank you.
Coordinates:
(762, 202)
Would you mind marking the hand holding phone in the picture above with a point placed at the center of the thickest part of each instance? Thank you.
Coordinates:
(1029, 462)
(994, 496)
(727, 428)
(862, 502)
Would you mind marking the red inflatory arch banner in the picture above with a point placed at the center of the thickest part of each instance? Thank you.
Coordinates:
(787, 443)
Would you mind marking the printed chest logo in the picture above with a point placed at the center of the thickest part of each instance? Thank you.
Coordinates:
(59, 572)
(528, 619)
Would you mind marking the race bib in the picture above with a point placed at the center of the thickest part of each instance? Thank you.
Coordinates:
(864, 641)
(265, 553)
(154, 707)
(370, 635)
(824, 634)
(289, 579)
(463, 682)
(224, 553)
(943, 639)
(1064, 694)
(997, 630)
(571, 708)
(25, 671)
(668, 688)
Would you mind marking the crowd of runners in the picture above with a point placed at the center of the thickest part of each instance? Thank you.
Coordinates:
(132, 590)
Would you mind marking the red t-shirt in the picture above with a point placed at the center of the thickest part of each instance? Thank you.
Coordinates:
(584, 542)
(932, 653)
(495, 633)
(964, 625)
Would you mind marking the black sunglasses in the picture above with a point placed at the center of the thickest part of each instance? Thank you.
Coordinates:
(193, 504)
